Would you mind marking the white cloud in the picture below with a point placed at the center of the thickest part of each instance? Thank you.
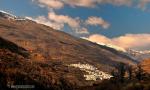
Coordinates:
(134, 41)
(64, 19)
(116, 2)
(55, 4)
(75, 23)
(93, 3)
(58, 4)
(81, 3)
(59, 21)
(82, 30)
(97, 21)
(45, 21)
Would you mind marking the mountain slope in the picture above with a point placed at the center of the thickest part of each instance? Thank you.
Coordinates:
(15, 69)
(54, 52)
(146, 65)
(51, 44)
(18, 70)
(13, 48)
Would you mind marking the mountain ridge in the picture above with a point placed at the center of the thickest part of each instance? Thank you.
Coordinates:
(26, 34)
(52, 52)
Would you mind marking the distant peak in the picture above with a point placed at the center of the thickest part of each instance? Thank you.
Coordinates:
(136, 52)
(7, 15)
(108, 45)
(113, 46)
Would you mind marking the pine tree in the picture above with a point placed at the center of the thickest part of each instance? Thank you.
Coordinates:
(121, 71)
(139, 73)
(130, 71)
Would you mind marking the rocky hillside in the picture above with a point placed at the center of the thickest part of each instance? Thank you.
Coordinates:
(18, 70)
(5, 44)
(146, 65)
(50, 58)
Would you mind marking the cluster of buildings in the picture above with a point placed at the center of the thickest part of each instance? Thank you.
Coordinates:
(92, 73)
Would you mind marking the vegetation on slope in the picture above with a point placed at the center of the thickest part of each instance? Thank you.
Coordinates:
(146, 65)
(131, 78)
(15, 69)
(5, 44)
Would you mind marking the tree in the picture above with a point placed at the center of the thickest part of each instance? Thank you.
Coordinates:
(121, 71)
(139, 73)
(113, 73)
(130, 71)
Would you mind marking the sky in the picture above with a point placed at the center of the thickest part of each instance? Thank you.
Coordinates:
(124, 23)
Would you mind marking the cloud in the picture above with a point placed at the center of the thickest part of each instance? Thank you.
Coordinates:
(58, 4)
(45, 21)
(81, 3)
(134, 41)
(93, 3)
(59, 21)
(55, 4)
(99, 38)
(116, 2)
(82, 30)
(97, 21)
(76, 24)
(64, 19)
(143, 4)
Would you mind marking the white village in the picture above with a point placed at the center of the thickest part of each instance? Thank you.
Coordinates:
(92, 72)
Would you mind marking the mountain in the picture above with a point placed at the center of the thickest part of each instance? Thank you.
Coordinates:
(53, 59)
(133, 54)
(109, 45)
(118, 50)
(7, 15)
(139, 55)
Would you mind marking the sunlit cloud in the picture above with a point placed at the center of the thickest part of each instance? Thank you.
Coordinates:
(55, 4)
(93, 3)
(79, 26)
(58, 22)
(58, 4)
(64, 19)
(82, 30)
(134, 41)
(45, 21)
(97, 21)
(80, 3)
